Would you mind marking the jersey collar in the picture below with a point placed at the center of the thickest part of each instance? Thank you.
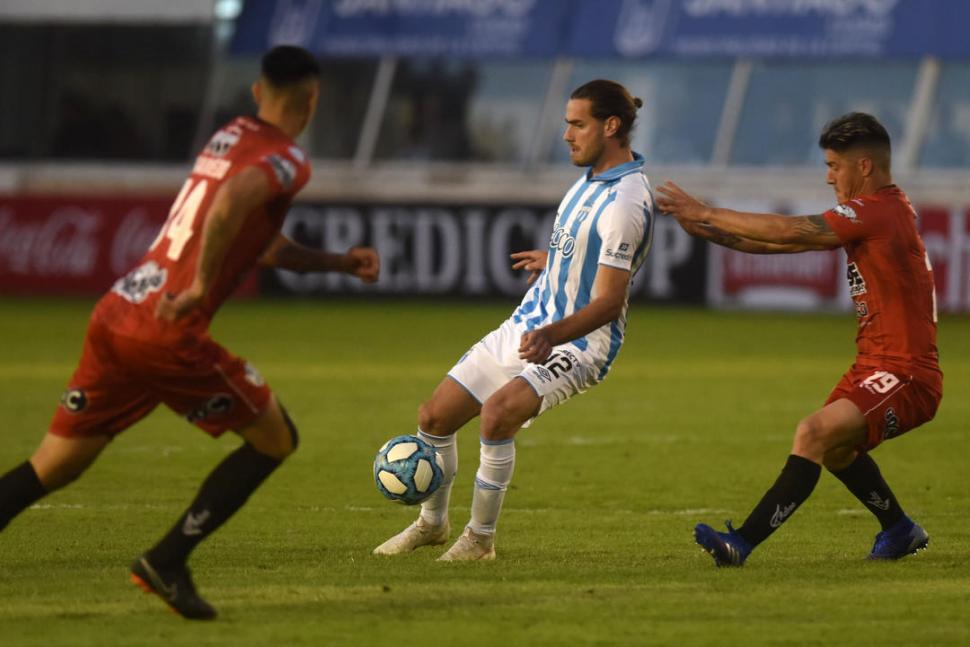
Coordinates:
(617, 172)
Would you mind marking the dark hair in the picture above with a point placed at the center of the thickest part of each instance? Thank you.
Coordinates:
(856, 130)
(610, 99)
(287, 65)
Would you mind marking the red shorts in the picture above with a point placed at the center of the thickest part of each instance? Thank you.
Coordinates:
(120, 380)
(893, 401)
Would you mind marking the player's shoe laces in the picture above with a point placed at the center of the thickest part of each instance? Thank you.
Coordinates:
(727, 548)
(175, 587)
(420, 533)
(905, 537)
(470, 547)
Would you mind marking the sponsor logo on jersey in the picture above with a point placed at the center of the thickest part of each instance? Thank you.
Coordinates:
(284, 169)
(141, 282)
(892, 424)
(861, 309)
(218, 405)
(211, 167)
(857, 284)
(543, 373)
(221, 143)
(563, 242)
(622, 252)
(846, 212)
(74, 400)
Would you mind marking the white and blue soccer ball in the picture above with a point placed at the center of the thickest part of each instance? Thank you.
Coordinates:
(408, 470)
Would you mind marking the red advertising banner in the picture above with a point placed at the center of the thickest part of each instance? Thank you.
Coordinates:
(64, 245)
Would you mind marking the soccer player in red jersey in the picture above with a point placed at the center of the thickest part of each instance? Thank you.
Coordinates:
(895, 384)
(147, 342)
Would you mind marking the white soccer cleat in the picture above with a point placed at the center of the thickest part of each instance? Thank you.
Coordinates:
(470, 547)
(420, 533)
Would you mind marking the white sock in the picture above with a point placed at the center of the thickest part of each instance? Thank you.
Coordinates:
(435, 509)
(497, 461)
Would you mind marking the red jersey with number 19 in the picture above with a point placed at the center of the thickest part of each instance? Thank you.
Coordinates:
(890, 280)
(170, 264)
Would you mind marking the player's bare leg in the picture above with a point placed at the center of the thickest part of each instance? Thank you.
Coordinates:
(502, 416)
(162, 570)
(449, 408)
(55, 463)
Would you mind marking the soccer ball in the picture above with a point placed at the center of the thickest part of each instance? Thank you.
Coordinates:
(408, 470)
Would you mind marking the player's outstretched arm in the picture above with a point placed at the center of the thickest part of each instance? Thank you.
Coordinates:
(733, 241)
(233, 202)
(609, 295)
(792, 233)
(533, 261)
(286, 254)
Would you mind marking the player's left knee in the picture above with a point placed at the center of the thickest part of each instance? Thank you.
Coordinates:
(810, 439)
(496, 420)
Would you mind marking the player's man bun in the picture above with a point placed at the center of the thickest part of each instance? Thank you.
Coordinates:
(286, 65)
(610, 99)
(856, 130)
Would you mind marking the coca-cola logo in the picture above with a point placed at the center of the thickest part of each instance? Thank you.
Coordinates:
(63, 244)
(137, 231)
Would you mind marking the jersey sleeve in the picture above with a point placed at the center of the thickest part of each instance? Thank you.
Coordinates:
(622, 228)
(854, 220)
(286, 168)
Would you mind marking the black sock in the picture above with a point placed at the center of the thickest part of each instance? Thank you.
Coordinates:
(865, 481)
(224, 491)
(793, 487)
(19, 488)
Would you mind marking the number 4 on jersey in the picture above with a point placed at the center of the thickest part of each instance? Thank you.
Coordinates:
(178, 228)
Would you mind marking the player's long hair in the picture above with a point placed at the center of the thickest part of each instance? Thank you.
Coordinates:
(610, 99)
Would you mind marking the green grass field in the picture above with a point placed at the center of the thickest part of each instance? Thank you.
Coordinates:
(594, 545)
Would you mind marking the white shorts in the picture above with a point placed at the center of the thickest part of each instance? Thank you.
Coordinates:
(494, 361)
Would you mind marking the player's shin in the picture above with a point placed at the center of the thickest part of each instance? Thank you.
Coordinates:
(225, 490)
(435, 509)
(794, 485)
(19, 488)
(863, 478)
(497, 462)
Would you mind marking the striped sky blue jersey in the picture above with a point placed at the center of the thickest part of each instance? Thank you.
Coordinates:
(602, 220)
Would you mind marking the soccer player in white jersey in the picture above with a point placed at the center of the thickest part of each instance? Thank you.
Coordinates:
(563, 337)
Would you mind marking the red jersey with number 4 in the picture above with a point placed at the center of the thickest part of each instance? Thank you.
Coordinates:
(890, 279)
(170, 264)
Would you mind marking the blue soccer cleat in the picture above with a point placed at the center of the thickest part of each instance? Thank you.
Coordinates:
(727, 548)
(906, 537)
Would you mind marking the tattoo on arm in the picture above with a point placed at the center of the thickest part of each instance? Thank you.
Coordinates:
(721, 237)
(811, 225)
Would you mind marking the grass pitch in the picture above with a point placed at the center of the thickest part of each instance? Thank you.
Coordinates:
(594, 544)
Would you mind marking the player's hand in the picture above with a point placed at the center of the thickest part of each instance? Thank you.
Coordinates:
(364, 263)
(533, 261)
(686, 208)
(172, 307)
(535, 346)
